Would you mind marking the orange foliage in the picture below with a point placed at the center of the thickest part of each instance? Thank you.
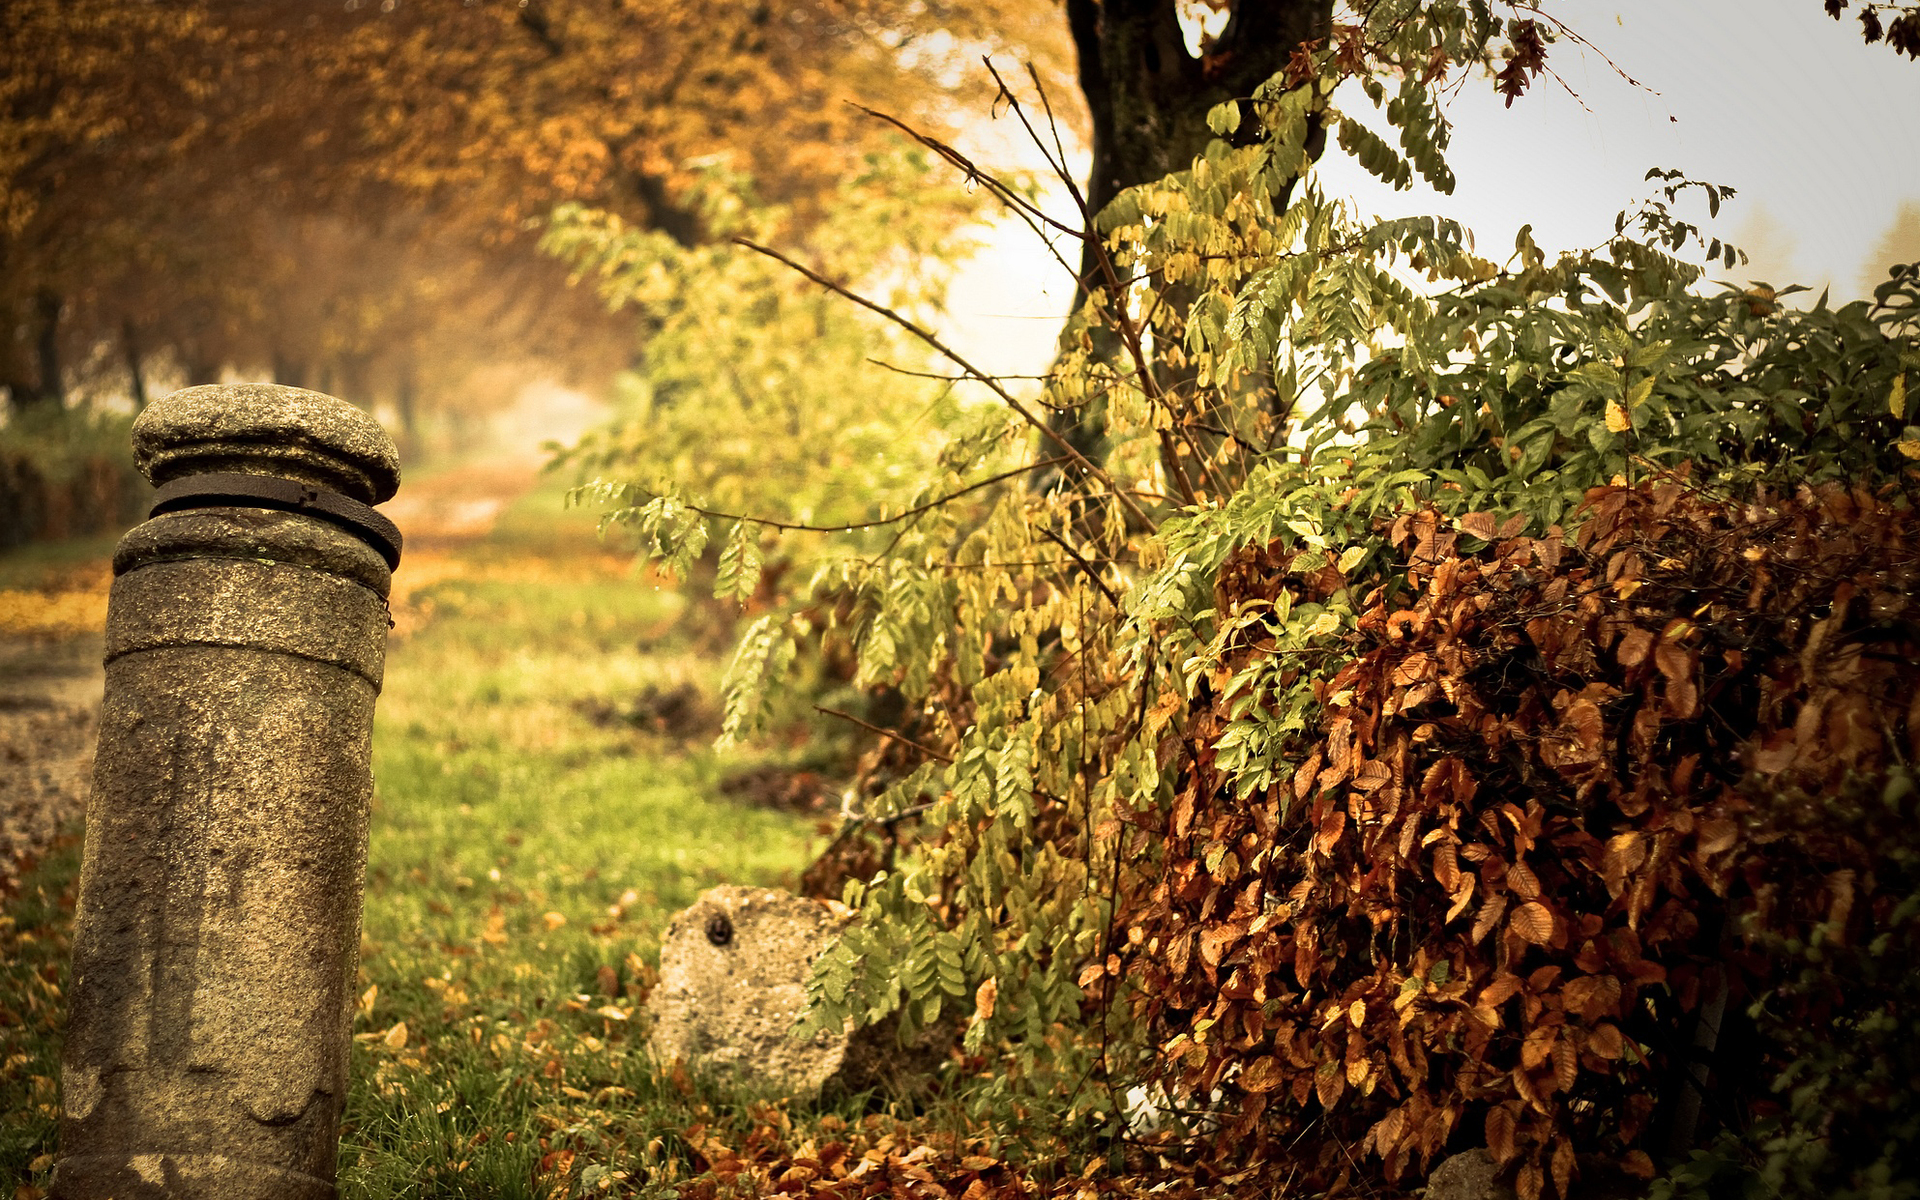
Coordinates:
(1558, 792)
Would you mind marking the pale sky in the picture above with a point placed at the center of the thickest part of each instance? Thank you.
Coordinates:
(1818, 132)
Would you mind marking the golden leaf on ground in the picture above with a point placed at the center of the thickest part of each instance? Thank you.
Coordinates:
(395, 1037)
(554, 920)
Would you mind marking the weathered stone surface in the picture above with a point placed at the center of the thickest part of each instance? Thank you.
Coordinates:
(1469, 1176)
(217, 932)
(733, 973)
(260, 535)
(267, 429)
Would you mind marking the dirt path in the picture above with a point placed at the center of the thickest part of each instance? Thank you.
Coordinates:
(50, 651)
(49, 719)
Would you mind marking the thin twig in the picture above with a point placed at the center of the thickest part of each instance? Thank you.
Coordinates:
(885, 365)
(903, 739)
(954, 357)
(796, 527)
(1029, 213)
(1128, 330)
(1092, 575)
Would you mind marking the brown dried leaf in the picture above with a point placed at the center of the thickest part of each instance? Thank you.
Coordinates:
(1330, 1080)
(1538, 1046)
(1263, 1076)
(1674, 660)
(1216, 940)
(1461, 897)
(1534, 922)
(1477, 524)
(1412, 669)
(1605, 1041)
(1593, 997)
(1331, 827)
(1503, 988)
(1490, 913)
(1372, 775)
(1633, 647)
(1446, 867)
(1584, 724)
(1717, 834)
(1529, 1182)
(1683, 698)
(1303, 778)
(1500, 1135)
(1523, 882)
(1566, 1064)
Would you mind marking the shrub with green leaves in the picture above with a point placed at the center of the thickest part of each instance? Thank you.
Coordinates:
(1256, 365)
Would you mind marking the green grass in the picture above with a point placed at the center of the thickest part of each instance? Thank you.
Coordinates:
(39, 565)
(523, 864)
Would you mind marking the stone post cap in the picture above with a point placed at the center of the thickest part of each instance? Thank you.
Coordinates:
(267, 429)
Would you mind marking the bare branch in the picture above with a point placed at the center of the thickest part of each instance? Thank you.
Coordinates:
(904, 740)
(796, 527)
(1008, 398)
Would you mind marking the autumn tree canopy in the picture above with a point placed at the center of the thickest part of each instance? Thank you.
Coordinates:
(341, 194)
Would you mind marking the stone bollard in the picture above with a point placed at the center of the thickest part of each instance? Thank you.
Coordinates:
(217, 937)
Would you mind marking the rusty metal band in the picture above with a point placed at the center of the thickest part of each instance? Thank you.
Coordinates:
(226, 490)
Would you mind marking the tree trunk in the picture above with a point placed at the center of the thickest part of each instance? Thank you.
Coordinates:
(1149, 97)
(406, 402)
(130, 348)
(48, 389)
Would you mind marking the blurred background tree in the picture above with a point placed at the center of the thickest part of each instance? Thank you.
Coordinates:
(344, 196)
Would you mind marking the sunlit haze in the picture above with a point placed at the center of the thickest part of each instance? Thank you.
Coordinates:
(1815, 130)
